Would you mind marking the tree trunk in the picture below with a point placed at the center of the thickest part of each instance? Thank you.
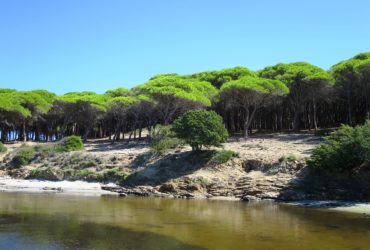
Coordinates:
(349, 106)
(314, 107)
(248, 120)
(296, 120)
(24, 133)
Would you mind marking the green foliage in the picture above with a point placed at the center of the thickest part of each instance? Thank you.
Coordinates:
(23, 156)
(83, 173)
(201, 128)
(296, 73)
(222, 156)
(126, 101)
(113, 175)
(45, 150)
(261, 85)
(118, 92)
(99, 101)
(173, 85)
(70, 143)
(3, 149)
(219, 77)
(345, 71)
(288, 158)
(164, 139)
(345, 149)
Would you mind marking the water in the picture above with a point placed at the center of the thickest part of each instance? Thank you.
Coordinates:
(54, 221)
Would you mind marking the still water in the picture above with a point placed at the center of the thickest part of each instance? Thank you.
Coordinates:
(52, 221)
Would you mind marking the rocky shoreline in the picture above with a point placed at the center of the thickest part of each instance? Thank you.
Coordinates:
(268, 167)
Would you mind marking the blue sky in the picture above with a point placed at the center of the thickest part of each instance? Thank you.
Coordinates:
(75, 45)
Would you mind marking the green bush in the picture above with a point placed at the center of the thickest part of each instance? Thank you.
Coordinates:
(164, 139)
(288, 158)
(222, 156)
(162, 146)
(344, 149)
(23, 156)
(70, 143)
(3, 149)
(200, 128)
(45, 150)
(113, 175)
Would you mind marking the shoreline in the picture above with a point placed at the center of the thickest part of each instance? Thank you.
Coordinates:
(356, 207)
(8, 184)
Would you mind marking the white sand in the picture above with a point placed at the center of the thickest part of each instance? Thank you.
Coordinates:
(8, 184)
(340, 206)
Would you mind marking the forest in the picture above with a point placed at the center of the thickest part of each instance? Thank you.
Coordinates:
(283, 97)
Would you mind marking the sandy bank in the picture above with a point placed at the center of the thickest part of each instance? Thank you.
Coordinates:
(8, 184)
(340, 206)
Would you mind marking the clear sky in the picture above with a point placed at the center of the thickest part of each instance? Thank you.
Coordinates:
(75, 45)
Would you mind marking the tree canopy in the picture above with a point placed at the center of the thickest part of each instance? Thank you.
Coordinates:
(218, 77)
(305, 82)
(173, 85)
(250, 93)
(281, 97)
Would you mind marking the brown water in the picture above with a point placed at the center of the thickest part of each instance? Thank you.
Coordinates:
(45, 221)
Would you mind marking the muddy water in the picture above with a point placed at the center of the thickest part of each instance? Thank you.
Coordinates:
(52, 221)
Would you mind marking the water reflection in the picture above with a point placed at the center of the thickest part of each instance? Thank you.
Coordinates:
(46, 232)
(142, 223)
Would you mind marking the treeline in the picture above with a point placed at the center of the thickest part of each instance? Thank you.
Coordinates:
(281, 97)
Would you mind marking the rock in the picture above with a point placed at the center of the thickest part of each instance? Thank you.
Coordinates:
(122, 194)
(270, 195)
(187, 195)
(252, 165)
(59, 189)
(112, 189)
(192, 187)
(291, 195)
(249, 198)
(168, 188)
(161, 195)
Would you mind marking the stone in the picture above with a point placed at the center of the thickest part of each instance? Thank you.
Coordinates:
(58, 189)
(249, 198)
(168, 187)
(192, 187)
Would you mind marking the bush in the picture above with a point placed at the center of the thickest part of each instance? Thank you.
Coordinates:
(70, 143)
(162, 146)
(3, 149)
(164, 139)
(200, 128)
(222, 156)
(288, 158)
(345, 149)
(113, 175)
(23, 156)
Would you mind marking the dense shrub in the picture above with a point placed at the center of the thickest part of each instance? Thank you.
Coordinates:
(23, 156)
(200, 128)
(344, 149)
(70, 143)
(3, 149)
(222, 156)
(164, 139)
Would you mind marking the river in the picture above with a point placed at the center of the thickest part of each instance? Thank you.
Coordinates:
(57, 221)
